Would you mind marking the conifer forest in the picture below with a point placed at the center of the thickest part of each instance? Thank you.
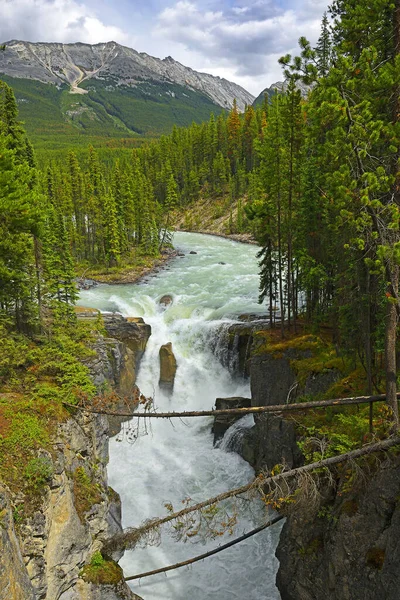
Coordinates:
(310, 173)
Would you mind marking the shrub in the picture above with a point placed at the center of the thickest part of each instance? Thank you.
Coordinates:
(38, 472)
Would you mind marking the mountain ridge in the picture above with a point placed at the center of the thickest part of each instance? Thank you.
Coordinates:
(74, 63)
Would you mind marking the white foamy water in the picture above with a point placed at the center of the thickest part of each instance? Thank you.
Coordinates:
(177, 461)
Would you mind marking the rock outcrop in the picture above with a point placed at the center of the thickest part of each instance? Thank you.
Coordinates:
(273, 380)
(74, 63)
(14, 580)
(167, 367)
(117, 358)
(280, 87)
(78, 511)
(223, 422)
(348, 547)
(233, 345)
(166, 300)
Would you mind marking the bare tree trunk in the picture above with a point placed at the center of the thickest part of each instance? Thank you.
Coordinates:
(390, 345)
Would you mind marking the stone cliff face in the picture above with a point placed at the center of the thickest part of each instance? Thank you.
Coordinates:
(78, 511)
(280, 87)
(348, 548)
(14, 579)
(73, 63)
(344, 546)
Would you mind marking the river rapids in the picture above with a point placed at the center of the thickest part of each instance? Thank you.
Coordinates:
(171, 462)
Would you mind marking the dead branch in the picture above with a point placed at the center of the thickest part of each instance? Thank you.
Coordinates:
(132, 536)
(275, 408)
(190, 561)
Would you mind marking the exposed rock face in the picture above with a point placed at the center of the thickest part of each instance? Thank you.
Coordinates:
(63, 535)
(233, 346)
(74, 63)
(117, 358)
(88, 591)
(270, 442)
(167, 367)
(348, 549)
(79, 512)
(281, 87)
(271, 379)
(14, 580)
(274, 381)
(223, 422)
(132, 331)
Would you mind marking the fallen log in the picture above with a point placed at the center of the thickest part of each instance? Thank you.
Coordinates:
(190, 561)
(275, 408)
(131, 536)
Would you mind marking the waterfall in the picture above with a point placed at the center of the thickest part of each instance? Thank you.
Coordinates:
(232, 440)
(171, 462)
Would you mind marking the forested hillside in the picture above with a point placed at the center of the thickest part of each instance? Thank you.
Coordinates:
(311, 173)
(77, 94)
(315, 180)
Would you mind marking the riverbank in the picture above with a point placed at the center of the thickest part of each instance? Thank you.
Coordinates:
(216, 216)
(132, 273)
(149, 265)
(244, 238)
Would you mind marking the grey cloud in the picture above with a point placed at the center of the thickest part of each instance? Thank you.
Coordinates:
(247, 41)
(54, 20)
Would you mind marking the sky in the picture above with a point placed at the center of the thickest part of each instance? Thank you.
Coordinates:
(240, 40)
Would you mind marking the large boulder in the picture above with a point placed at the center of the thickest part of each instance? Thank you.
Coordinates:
(223, 422)
(165, 300)
(167, 367)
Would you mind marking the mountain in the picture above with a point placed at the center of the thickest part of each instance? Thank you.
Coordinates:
(280, 86)
(108, 90)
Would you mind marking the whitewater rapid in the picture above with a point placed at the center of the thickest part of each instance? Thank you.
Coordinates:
(172, 462)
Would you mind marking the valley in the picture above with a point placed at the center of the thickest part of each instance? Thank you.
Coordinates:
(199, 311)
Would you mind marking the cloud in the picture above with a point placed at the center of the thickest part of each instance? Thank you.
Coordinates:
(246, 39)
(54, 21)
(240, 40)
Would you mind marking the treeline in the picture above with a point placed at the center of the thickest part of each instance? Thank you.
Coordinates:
(329, 218)
(110, 208)
(316, 179)
(36, 267)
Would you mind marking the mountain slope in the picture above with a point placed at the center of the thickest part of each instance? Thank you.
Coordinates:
(68, 93)
(74, 63)
(280, 87)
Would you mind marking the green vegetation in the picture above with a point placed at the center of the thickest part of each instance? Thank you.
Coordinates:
(86, 492)
(314, 180)
(108, 114)
(326, 432)
(36, 376)
(102, 571)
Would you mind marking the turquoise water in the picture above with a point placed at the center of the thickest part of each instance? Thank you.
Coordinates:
(171, 462)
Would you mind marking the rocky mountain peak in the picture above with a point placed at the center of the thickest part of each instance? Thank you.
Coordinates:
(72, 64)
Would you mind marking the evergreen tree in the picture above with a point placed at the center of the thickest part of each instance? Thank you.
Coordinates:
(324, 48)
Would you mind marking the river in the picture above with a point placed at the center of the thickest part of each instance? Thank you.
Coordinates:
(171, 462)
